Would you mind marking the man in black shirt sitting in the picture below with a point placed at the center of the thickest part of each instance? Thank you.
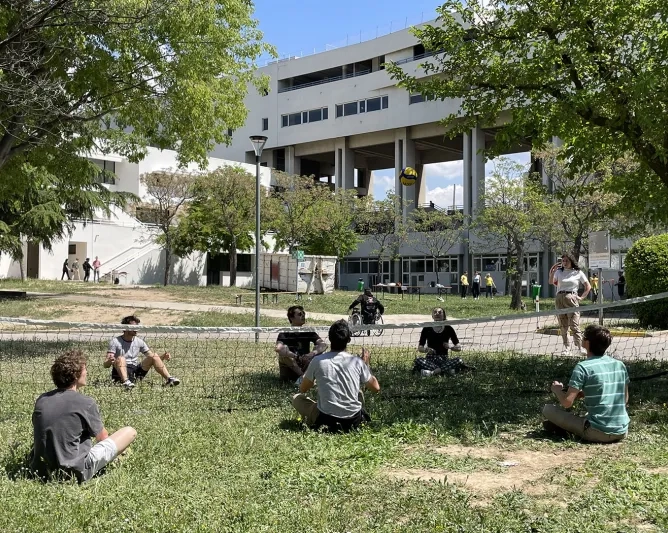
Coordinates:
(294, 347)
(369, 306)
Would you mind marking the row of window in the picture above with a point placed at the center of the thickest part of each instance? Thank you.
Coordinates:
(362, 106)
(303, 117)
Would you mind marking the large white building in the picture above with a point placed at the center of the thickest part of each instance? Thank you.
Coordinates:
(123, 243)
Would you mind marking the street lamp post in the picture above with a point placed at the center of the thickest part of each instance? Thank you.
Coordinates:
(258, 142)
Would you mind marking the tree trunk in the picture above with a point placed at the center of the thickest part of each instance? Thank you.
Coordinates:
(168, 262)
(518, 272)
(23, 274)
(577, 246)
(436, 269)
(233, 263)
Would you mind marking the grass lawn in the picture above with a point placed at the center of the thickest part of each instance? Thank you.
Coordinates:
(225, 452)
(335, 303)
(45, 309)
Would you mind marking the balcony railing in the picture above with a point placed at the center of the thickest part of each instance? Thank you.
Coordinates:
(325, 80)
(416, 58)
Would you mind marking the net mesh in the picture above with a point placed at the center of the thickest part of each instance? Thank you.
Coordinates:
(237, 368)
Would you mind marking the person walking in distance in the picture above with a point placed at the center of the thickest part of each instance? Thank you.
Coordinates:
(475, 288)
(489, 286)
(621, 285)
(464, 282)
(86, 268)
(567, 277)
(593, 281)
(96, 269)
(76, 275)
(66, 270)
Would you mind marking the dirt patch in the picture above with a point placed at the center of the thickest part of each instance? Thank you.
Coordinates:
(134, 294)
(111, 315)
(661, 470)
(521, 469)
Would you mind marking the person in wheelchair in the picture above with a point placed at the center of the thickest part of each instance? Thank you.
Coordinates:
(435, 342)
(369, 307)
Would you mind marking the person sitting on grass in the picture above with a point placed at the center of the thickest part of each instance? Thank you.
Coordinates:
(603, 383)
(294, 347)
(435, 342)
(64, 421)
(340, 378)
(123, 356)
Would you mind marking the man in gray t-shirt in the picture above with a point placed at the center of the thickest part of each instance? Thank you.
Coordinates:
(340, 378)
(123, 357)
(64, 422)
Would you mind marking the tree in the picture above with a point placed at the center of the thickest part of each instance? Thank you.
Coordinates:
(582, 196)
(440, 231)
(169, 191)
(41, 210)
(221, 216)
(515, 213)
(592, 72)
(381, 221)
(79, 77)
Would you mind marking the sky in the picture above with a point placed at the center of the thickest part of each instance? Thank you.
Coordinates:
(302, 27)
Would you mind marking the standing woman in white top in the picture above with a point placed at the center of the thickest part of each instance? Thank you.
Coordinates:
(567, 278)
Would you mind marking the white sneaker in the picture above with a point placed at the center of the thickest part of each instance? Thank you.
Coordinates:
(566, 350)
(583, 351)
(426, 373)
(440, 299)
(128, 384)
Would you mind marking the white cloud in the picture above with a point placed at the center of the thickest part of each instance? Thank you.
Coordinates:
(382, 184)
(449, 171)
(442, 196)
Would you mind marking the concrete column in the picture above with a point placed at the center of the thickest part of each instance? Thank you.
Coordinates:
(468, 205)
(344, 164)
(405, 155)
(477, 167)
(292, 162)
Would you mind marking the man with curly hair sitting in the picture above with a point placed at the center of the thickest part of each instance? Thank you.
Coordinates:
(64, 422)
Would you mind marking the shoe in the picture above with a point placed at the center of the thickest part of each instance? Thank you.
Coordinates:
(172, 382)
(566, 350)
(426, 373)
(553, 429)
(440, 299)
(583, 351)
(128, 384)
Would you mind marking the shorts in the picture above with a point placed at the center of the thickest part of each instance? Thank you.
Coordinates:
(99, 456)
(135, 373)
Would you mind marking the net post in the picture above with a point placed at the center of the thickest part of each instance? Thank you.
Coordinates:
(600, 296)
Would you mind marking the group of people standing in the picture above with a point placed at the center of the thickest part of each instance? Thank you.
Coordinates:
(477, 281)
(87, 266)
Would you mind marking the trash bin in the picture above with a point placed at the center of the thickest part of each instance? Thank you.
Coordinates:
(360, 284)
(535, 291)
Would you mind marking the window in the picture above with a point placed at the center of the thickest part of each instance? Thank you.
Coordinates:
(305, 117)
(364, 267)
(381, 62)
(415, 99)
(350, 109)
(353, 267)
(325, 113)
(294, 119)
(230, 131)
(72, 249)
(339, 110)
(373, 104)
(362, 102)
(265, 124)
(108, 168)
(315, 115)
(386, 102)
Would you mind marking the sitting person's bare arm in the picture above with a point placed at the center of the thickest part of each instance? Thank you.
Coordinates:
(567, 398)
(306, 385)
(109, 360)
(373, 384)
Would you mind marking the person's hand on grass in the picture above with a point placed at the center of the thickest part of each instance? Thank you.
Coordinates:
(166, 356)
(110, 359)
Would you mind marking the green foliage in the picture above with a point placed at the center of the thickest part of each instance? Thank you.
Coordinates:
(41, 196)
(646, 271)
(306, 214)
(221, 216)
(515, 212)
(591, 72)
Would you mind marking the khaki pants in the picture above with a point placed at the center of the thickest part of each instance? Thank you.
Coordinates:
(306, 407)
(578, 425)
(569, 320)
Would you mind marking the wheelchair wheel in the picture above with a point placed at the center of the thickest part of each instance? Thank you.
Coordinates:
(379, 321)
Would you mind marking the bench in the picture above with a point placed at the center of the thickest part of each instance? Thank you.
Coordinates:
(13, 295)
(274, 296)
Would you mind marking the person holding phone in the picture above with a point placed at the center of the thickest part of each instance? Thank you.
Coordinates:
(567, 277)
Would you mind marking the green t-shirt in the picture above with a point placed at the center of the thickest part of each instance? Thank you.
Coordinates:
(603, 381)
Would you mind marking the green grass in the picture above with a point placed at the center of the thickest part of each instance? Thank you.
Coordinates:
(334, 303)
(224, 451)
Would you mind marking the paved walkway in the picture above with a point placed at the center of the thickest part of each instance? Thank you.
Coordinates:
(183, 306)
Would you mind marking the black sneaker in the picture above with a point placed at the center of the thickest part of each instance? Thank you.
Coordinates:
(553, 429)
(172, 382)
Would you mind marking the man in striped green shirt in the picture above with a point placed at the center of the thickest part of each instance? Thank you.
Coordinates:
(603, 383)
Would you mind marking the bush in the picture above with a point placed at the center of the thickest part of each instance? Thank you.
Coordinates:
(646, 270)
